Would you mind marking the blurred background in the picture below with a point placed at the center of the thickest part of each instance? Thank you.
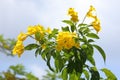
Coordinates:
(17, 15)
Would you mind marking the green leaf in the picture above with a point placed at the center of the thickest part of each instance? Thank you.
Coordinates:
(83, 57)
(68, 22)
(31, 46)
(109, 74)
(53, 34)
(37, 36)
(65, 28)
(101, 51)
(59, 64)
(48, 64)
(90, 40)
(73, 76)
(38, 51)
(90, 50)
(73, 27)
(78, 65)
(91, 60)
(85, 30)
(70, 66)
(30, 76)
(64, 74)
(18, 69)
(94, 74)
(55, 31)
(92, 35)
(86, 73)
(83, 25)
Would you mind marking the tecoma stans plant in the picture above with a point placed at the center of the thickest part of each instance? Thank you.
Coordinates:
(71, 48)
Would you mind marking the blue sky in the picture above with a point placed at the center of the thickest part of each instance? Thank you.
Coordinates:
(17, 15)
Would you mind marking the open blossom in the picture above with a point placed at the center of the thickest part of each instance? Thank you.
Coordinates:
(22, 36)
(19, 48)
(33, 29)
(96, 24)
(73, 14)
(92, 12)
(66, 40)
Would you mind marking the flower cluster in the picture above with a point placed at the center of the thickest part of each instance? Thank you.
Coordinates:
(19, 47)
(96, 22)
(66, 40)
(73, 14)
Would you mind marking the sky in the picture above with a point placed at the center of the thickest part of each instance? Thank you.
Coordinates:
(17, 15)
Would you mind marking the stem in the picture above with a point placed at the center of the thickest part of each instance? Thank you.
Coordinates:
(84, 18)
(31, 37)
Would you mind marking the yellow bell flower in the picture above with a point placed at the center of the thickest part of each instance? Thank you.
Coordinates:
(66, 40)
(19, 48)
(31, 30)
(73, 14)
(96, 24)
(22, 36)
(91, 12)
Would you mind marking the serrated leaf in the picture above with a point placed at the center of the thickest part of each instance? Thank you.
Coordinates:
(68, 22)
(31, 46)
(83, 57)
(109, 74)
(101, 51)
(92, 35)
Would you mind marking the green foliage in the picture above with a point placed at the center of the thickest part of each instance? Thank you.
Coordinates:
(109, 74)
(31, 46)
(18, 70)
(30, 76)
(70, 49)
(6, 45)
(101, 51)
(70, 63)
(51, 76)
(92, 35)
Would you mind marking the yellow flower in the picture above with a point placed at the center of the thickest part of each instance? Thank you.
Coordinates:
(74, 17)
(96, 24)
(19, 48)
(66, 40)
(33, 29)
(70, 11)
(73, 14)
(91, 12)
(22, 36)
